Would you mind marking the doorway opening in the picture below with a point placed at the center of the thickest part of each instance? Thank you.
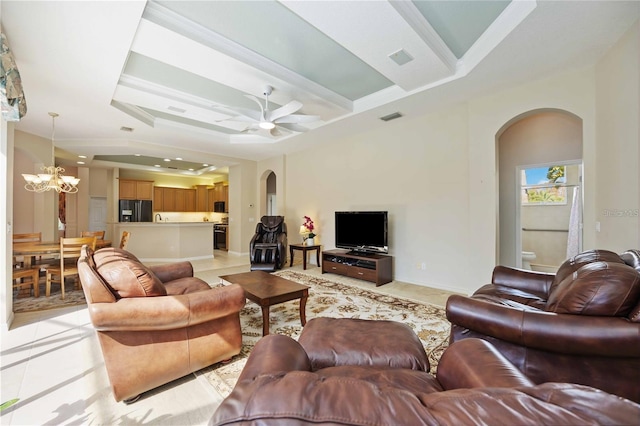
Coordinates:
(537, 139)
(549, 214)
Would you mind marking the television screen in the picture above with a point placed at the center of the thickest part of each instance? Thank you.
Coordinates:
(362, 231)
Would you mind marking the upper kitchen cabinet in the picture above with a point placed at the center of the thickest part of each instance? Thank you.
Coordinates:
(168, 199)
(190, 200)
(219, 192)
(202, 197)
(158, 199)
(136, 189)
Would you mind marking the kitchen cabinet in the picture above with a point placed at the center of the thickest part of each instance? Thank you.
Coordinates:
(167, 199)
(202, 197)
(136, 189)
(158, 199)
(169, 202)
(211, 198)
(190, 200)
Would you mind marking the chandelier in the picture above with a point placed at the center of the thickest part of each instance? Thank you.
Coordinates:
(52, 177)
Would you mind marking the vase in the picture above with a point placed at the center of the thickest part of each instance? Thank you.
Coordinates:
(310, 241)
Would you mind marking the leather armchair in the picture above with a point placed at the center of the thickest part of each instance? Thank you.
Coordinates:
(268, 247)
(475, 385)
(580, 325)
(156, 324)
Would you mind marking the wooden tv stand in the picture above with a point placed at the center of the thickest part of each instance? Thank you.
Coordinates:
(372, 267)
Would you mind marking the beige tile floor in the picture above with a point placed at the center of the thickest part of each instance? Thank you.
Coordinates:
(52, 362)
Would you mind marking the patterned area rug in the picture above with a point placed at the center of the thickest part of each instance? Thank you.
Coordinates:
(27, 304)
(337, 300)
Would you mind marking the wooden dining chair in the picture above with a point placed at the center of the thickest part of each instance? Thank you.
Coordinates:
(25, 238)
(32, 277)
(124, 239)
(98, 234)
(68, 266)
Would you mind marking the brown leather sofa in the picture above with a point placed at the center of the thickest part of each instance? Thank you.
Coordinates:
(156, 324)
(580, 325)
(475, 385)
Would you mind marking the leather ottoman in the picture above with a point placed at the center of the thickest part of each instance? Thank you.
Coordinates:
(346, 341)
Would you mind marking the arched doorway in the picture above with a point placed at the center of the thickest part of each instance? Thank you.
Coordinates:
(268, 194)
(536, 140)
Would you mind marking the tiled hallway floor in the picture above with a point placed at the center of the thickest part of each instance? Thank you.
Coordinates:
(51, 361)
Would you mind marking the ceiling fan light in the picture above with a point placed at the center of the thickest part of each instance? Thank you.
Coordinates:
(267, 125)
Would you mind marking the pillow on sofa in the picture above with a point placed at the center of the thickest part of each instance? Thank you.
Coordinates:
(571, 265)
(126, 275)
(598, 288)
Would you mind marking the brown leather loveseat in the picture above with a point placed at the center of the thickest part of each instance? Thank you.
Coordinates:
(156, 324)
(580, 325)
(474, 385)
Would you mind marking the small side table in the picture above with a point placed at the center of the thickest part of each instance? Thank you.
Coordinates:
(305, 248)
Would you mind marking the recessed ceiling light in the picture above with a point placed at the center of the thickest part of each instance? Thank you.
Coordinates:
(205, 165)
(179, 158)
(167, 160)
(80, 162)
(137, 155)
(156, 165)
(190, 170)
(82, 156)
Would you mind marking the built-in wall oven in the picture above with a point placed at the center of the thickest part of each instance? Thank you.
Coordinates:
(220, 236)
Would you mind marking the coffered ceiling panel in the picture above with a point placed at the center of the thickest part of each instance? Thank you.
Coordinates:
(191, 79)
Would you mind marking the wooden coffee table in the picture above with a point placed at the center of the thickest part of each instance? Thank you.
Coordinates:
(267, 290)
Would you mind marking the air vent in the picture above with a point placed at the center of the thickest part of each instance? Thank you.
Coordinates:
(391, 116)
(126, 129)
(401, 57)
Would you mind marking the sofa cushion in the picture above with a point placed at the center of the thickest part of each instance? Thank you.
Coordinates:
(598, 288)
(571, 265)
(126, 275)
(186, 285)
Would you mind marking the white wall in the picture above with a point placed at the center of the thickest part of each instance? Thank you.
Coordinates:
(437, 176)
(618, 136)
(416, 169)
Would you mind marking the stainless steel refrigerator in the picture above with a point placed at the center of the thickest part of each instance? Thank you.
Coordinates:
(136, 211)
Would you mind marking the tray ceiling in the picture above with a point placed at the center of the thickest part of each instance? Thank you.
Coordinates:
(173, 73)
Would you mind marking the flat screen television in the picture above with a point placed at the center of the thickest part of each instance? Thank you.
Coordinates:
(362, 231)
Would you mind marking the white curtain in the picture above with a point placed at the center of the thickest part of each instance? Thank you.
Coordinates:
(574, 242)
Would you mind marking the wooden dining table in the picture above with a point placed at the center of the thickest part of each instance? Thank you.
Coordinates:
(29, 250)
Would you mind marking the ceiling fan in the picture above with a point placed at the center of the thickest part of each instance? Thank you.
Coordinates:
(276, 122)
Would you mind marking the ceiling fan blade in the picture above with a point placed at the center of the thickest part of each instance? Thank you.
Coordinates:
(275, 132)
(297, 118)
(287, 109)
(251, 128)
(256, 100)
(292, 127)
(250, 113)
(239, 118)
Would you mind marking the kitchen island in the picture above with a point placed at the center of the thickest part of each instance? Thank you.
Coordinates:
(168, 241)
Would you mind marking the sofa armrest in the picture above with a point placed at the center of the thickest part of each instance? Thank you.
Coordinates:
(537, 283)
(167, 312)
(275, 353)
(474, 363)
(172, 271)
(560, 333)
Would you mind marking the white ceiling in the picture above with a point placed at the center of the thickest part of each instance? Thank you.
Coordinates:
(171, 70)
